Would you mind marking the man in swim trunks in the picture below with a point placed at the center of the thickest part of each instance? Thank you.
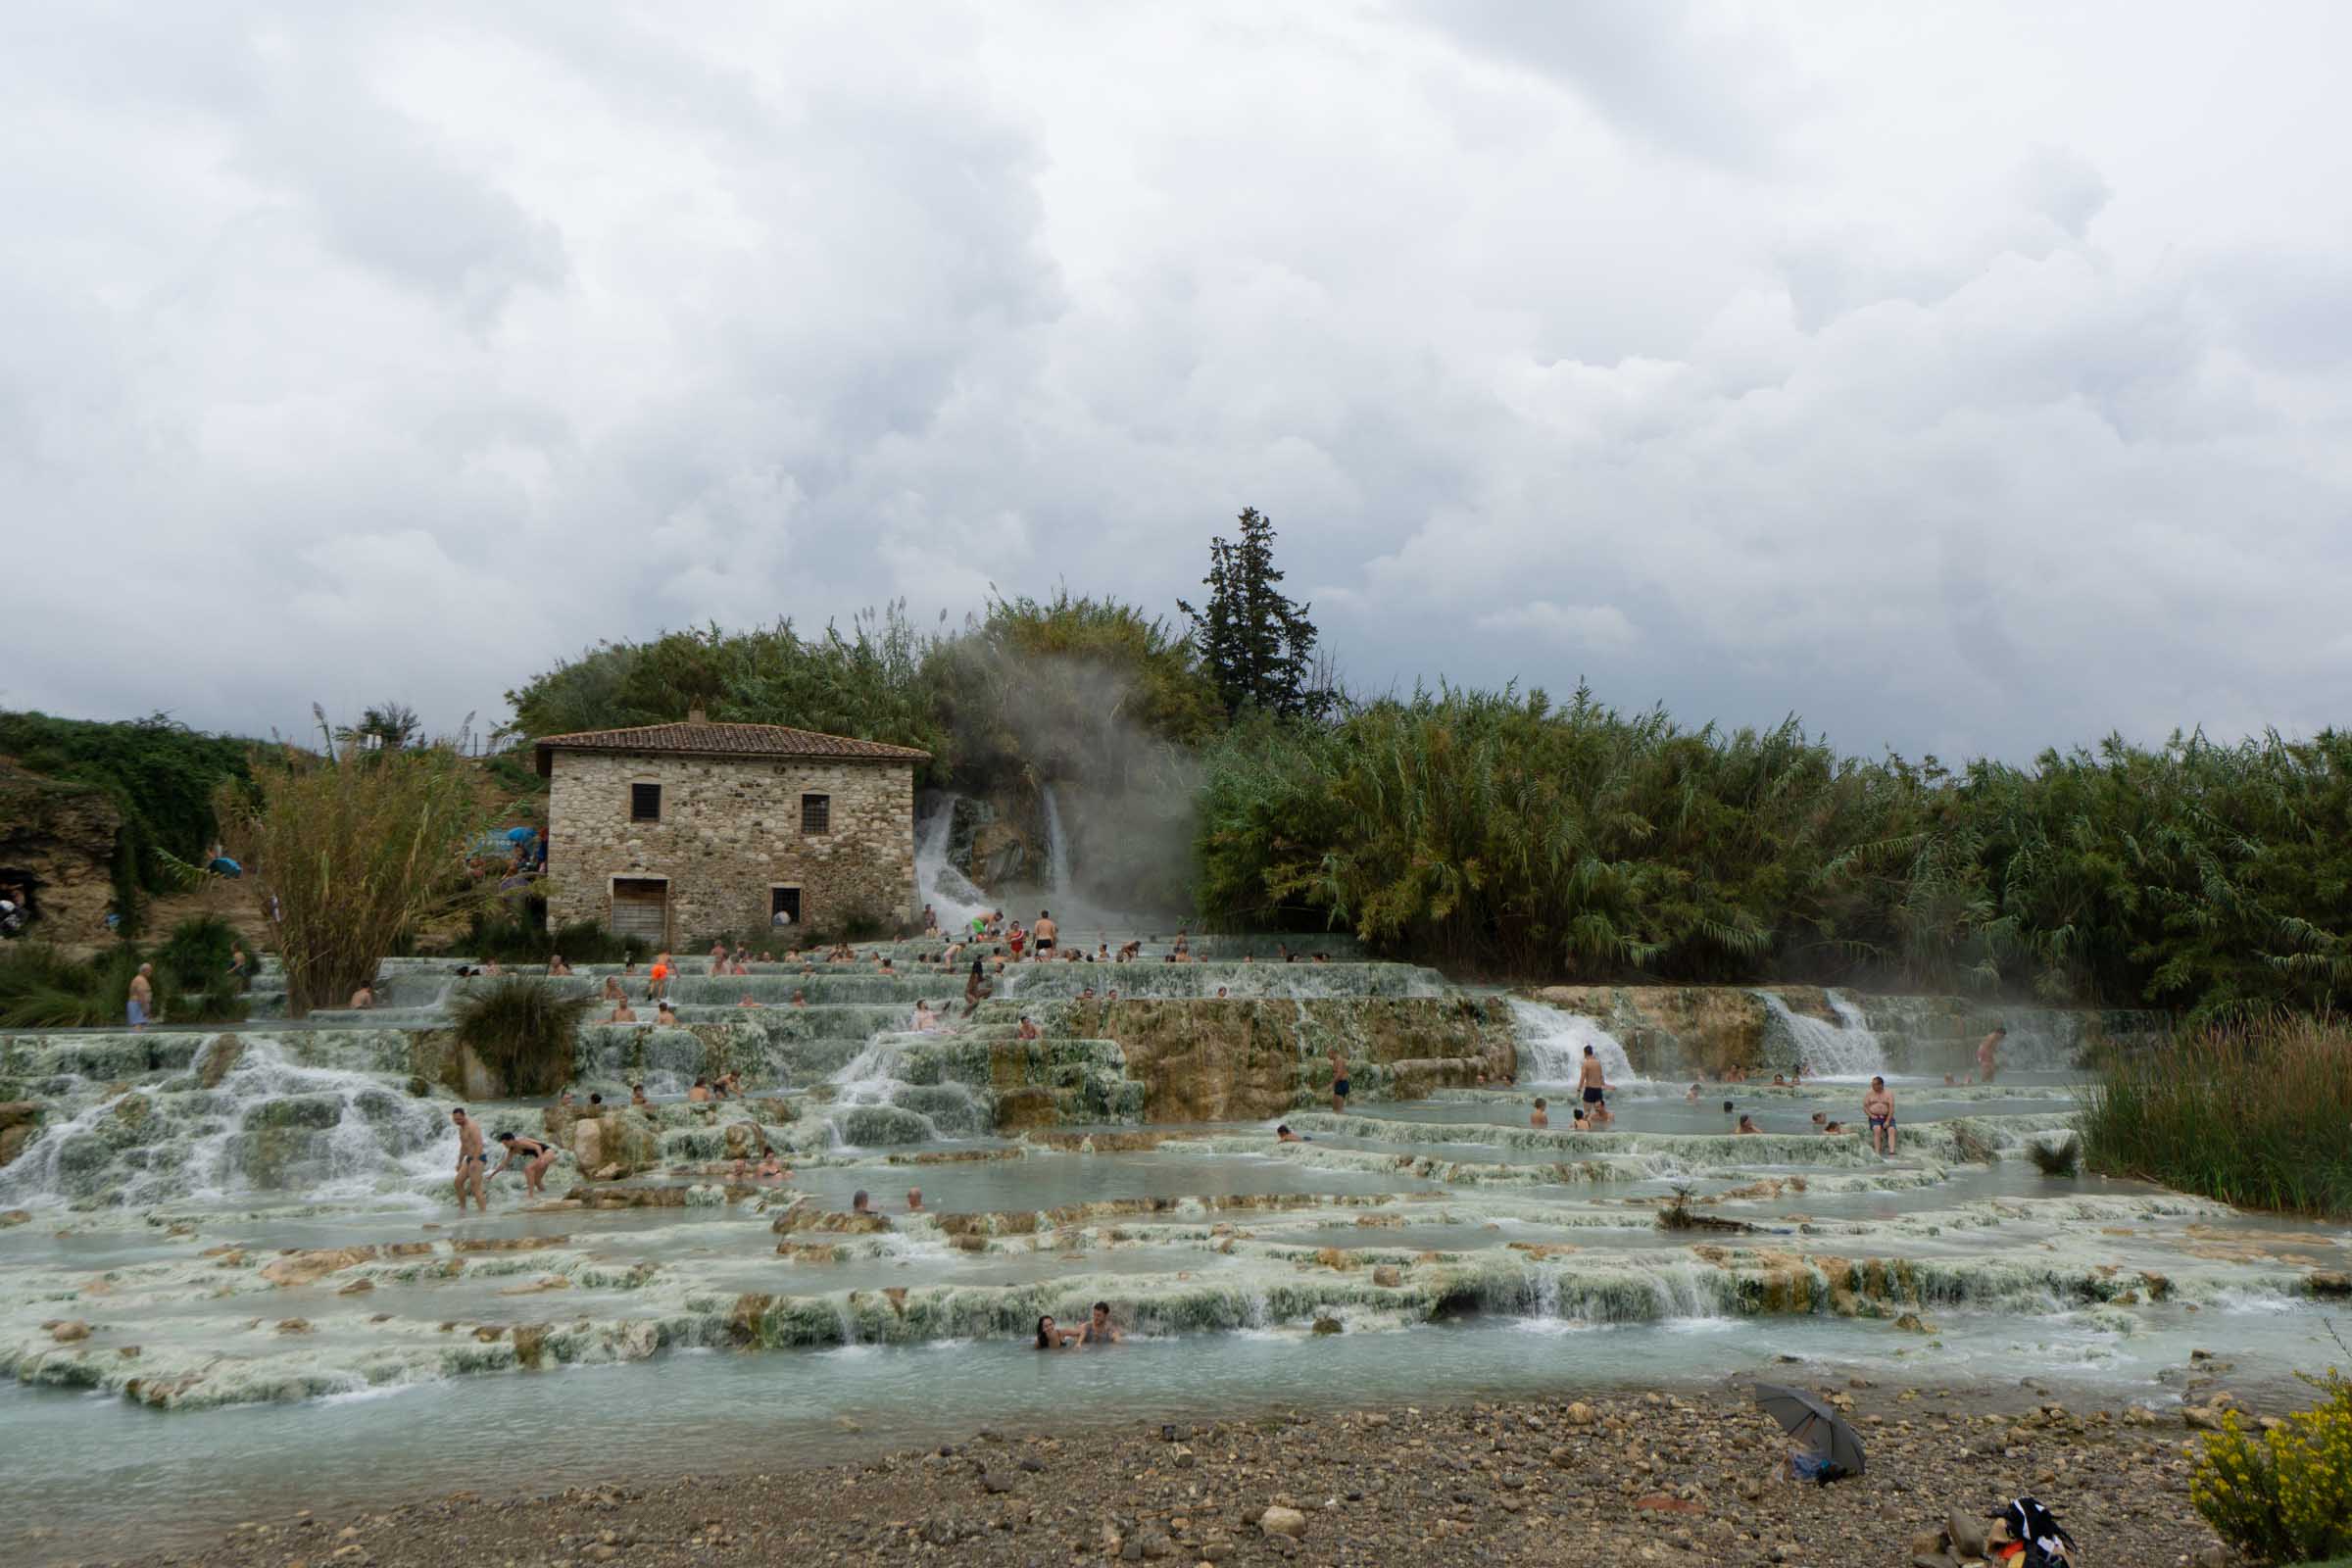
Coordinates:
(1046, 933)
(141, 1004)
(1339, 1082)
(1098, 1328)
(1879, 1106)
(1594, 1087)
(470, 1160)
(536, 1155)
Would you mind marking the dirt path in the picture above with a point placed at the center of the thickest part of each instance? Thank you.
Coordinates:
(1549, 1482)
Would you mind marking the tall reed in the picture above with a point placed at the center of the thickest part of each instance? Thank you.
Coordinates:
(349, 850)
(2255, 1113)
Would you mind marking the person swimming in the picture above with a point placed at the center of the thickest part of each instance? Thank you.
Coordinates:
(1051, 1335)
(1539, 1116)
(1284, 1135)
(1746, 1126)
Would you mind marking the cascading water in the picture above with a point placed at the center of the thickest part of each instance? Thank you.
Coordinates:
(272, 1125)
(1552, 1045)
(1057, 847)
(1846, 1049)
(952, 898)
(874, 1103)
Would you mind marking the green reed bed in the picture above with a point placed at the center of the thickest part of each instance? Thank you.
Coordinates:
(2258, 1114)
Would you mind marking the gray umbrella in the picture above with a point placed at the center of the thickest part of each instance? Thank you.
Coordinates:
(1814, 1424)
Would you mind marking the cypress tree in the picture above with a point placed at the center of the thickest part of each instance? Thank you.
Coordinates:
(1256, 640)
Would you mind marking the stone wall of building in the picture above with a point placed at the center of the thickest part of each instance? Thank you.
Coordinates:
(731, 830)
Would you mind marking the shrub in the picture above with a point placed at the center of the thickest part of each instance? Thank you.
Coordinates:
(2251, 1113)
(2285, 1495)
(43, 989)
(524, 1031)
(2062, 1158)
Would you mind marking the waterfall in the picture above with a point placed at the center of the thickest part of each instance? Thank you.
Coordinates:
(1551, 1046)
(1057, 847)
(952, 898)
(1846, 1049)
(272, 1125)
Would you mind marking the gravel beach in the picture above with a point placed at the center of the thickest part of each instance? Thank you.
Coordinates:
(1607, 1481)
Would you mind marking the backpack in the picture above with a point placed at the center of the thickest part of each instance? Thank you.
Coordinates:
(2046, 1542)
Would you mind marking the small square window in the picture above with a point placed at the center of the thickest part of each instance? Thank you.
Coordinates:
(645, 803)
(816, 814)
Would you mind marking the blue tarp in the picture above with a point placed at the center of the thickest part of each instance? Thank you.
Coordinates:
(225, 867)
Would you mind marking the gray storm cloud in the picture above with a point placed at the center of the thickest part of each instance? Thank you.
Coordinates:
(1964, 381)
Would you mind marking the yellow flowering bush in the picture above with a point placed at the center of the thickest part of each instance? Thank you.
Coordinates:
(2285, 1495)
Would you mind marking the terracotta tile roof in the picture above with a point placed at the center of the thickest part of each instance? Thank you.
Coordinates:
(725, 739)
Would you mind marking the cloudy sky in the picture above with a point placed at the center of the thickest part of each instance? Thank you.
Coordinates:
(1965, 378)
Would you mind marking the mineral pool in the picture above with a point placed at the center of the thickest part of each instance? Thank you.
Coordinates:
(230, 1264)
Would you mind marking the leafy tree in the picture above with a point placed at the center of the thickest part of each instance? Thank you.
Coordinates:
(388, 727)
(1256, 639)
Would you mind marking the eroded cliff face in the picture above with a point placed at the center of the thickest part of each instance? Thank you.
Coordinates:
(1242, 1059)
(57, 844)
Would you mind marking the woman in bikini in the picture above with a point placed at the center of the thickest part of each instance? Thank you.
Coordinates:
(536, 1157)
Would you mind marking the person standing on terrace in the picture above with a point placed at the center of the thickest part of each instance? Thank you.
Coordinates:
(1046, 933)
(1594, 1086)
(141, 1004)
(1339, 1082)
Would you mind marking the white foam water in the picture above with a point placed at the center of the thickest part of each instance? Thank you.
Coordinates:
(1057, 847)
(1844, 1049)
(1551, 1046)
(952, 898)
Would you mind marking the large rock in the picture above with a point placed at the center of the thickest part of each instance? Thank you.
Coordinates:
(1280, 1521)
(306, 1267)
(621, 1141)
(217, 1059)
(20, 1125)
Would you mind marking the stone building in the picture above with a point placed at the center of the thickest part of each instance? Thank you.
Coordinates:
(679, 833)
